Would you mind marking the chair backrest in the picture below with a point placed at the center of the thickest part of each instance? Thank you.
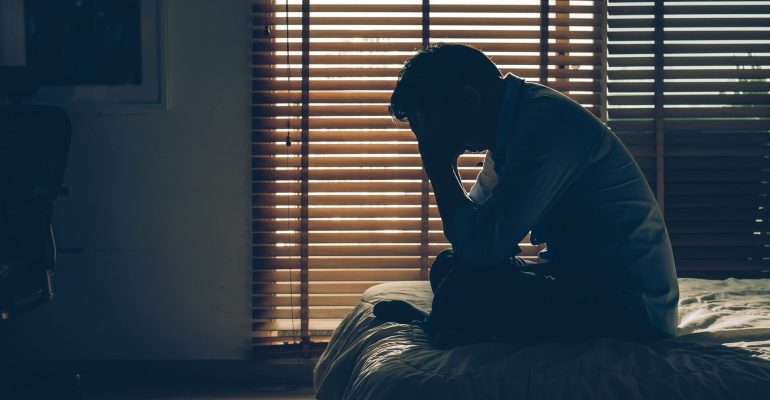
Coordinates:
(34, 144)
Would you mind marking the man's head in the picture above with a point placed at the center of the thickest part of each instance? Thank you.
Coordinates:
(452, 93)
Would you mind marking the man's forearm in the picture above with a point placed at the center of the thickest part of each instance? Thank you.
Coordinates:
(448, 189)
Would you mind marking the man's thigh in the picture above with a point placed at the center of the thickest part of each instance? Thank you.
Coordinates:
(442, 265)
(446, 261)
(503, 301)
(506, 303)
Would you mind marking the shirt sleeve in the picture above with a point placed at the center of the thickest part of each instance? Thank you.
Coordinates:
(543, 158)
(485, 181)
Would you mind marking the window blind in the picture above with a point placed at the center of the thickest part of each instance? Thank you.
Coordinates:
(688, 81)
(347, 205)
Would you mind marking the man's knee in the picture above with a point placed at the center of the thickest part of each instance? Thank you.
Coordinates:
(444, 262)
(446, 256)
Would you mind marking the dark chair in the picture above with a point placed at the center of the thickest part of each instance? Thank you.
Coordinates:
(34, 142)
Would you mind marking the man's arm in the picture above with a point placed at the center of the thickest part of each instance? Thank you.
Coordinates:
(447, 186)
(540, 165)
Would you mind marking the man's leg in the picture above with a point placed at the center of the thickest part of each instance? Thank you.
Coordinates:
(445, 263)
(476, 304)
(512, 303)
(442, 265)
(504, 303)
(399, 311)
(404, 312)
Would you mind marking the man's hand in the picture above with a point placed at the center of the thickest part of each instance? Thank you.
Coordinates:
(435, 148)
(437, 153)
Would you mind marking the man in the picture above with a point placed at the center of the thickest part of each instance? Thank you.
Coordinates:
(551, 168)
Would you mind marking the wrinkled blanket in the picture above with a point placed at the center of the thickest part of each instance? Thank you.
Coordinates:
(722, 351)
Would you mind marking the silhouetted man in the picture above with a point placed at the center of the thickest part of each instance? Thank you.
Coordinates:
(551, 168)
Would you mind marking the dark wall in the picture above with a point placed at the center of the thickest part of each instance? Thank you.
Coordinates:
(159, 206)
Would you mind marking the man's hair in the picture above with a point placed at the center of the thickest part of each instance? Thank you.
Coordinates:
(437, 70)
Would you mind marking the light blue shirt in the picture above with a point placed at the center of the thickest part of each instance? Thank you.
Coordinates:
(560, 173)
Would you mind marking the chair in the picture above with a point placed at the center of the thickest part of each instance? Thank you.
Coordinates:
(34, 142)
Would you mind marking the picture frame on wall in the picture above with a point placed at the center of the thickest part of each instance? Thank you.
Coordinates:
(91, 55)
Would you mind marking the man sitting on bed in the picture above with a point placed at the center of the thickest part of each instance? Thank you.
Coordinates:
(551, 168)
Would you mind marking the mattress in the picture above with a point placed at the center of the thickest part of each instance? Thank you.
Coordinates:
(722, 351)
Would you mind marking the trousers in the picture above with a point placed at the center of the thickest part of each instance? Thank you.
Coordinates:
(520, 301)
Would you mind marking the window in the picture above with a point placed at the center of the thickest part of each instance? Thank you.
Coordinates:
(347, 206)
(688, 84)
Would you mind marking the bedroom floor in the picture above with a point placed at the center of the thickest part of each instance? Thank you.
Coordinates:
(200, 393)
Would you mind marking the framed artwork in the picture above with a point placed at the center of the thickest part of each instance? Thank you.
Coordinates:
(84, 42)
(90, 54)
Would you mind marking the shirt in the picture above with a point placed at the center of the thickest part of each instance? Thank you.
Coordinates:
(559, 172)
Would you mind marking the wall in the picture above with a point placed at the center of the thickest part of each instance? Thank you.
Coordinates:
(11, 51)
(160, 206)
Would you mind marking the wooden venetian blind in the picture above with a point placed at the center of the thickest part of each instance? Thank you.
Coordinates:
(689, 83)
(347, 206)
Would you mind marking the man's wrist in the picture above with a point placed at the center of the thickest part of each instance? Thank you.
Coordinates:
(438, 169)
(438, 155)
(445, 180)
(448, 190)
(435, 164)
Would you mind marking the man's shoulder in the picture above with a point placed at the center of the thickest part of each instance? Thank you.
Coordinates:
(539, 100)
(547, 119)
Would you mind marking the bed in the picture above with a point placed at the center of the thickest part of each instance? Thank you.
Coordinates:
(722, 351)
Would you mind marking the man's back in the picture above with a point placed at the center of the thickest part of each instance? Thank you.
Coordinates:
(604, 224)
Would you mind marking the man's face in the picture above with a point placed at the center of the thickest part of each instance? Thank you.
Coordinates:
(462, 129)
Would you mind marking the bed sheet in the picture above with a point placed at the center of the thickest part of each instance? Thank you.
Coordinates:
(722, 351)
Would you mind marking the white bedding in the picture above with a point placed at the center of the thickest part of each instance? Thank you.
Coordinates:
(722, 351)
